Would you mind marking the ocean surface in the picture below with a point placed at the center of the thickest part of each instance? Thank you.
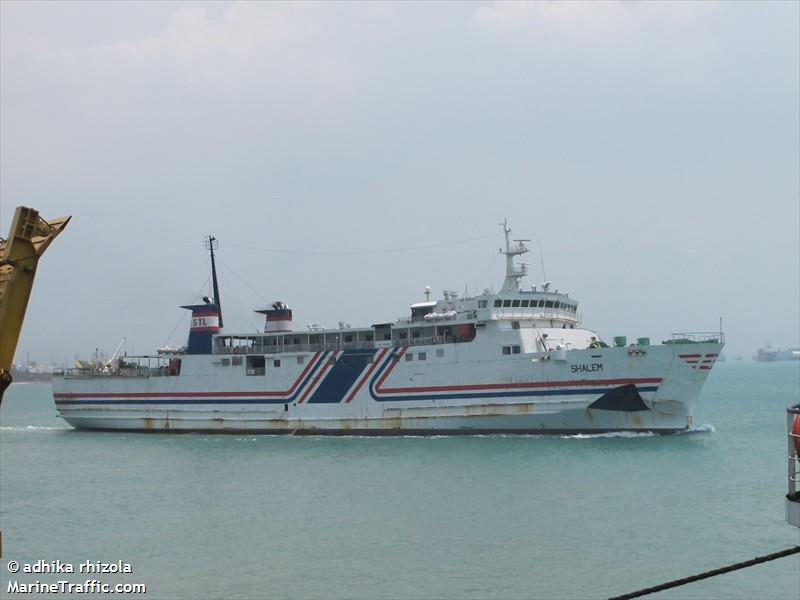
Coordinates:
(202, 516)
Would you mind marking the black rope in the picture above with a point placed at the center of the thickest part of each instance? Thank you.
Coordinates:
(742, 565)
(353, 252)
(183, 315)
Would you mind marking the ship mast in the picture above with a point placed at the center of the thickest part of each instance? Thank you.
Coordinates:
(212, 244)
(513, 272)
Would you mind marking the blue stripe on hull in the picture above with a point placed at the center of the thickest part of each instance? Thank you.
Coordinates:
(522, 393)
(454, 396)
(303, 383)
(343, 375)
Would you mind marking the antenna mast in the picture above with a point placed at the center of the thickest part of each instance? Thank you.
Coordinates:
(212, 244)
(513, 272)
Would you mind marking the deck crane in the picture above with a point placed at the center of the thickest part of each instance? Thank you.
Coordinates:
(30, 236)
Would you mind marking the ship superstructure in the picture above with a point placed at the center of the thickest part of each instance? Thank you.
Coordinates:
(517, 360)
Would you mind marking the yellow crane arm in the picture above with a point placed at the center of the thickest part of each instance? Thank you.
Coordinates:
(19, 256)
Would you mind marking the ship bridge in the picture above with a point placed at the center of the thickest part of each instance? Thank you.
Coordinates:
(540, 307)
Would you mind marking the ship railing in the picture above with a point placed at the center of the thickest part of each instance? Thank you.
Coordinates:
(128, 366)
(793, 479)
(359, 345)
(424, 341)
(697, 337)
(288, 348)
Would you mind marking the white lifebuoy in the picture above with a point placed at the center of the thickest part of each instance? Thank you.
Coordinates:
(434, 340)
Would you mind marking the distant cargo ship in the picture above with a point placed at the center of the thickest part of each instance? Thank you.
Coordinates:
(766, 354)
(515, 361)
(770, 354)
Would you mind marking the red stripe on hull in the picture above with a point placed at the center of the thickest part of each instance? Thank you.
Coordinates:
(366, 376)
(317, 378)
(395, 359)
(530, 384)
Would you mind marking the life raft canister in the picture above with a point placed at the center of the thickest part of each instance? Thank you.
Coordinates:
(796, 434)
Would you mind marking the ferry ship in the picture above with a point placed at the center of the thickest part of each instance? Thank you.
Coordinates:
(514, 361)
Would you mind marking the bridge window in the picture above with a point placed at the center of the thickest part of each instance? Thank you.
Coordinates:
(481, 303)
(515, 303)
(525, 303)
(423, 356)
(498, 303)
(548, 304)
(506, 303)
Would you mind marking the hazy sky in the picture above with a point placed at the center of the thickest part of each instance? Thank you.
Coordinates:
(369, 150)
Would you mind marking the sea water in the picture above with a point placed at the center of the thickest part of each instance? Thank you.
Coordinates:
(204, 516)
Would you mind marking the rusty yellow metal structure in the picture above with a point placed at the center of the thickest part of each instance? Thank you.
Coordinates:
(30, 236)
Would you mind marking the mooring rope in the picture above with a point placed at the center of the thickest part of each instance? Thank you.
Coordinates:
(705, 575)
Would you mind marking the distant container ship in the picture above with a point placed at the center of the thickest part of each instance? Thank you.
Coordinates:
(515, 361)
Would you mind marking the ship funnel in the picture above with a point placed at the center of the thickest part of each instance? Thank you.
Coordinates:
(279, 318)
(205, 323)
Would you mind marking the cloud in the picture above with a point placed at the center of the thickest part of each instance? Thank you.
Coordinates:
(588, 18)
(243, 31)
(675, 35)
(505, 16)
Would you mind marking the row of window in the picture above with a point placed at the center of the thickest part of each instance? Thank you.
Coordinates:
(423, 355)
(534, 304)
(287, 340)
(256, 362)
(256, 365)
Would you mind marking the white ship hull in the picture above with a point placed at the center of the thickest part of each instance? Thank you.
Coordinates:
(377, 391)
